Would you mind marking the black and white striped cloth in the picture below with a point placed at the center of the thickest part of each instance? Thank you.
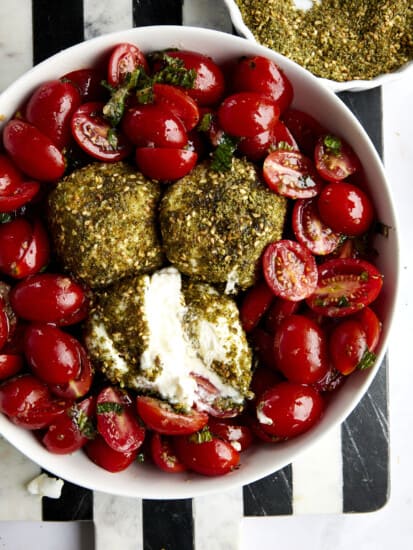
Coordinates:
(345, 472)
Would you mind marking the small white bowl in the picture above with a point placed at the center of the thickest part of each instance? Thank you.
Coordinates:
(349, 85)
(146, 481)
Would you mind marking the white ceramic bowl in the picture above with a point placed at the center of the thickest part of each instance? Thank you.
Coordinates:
(350, 85)
(144, 480)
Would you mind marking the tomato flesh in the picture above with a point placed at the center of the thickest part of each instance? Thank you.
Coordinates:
(334, 158)
(124, 59)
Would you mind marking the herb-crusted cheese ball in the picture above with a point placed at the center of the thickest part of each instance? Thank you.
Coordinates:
(103, 221)
(152, 334)
(215, 225)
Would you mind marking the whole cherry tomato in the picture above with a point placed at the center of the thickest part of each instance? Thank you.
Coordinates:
(50, 109)
(305, 129)
(10, 365)
(289, 409)
(163, 454)
(254, 304)
(79, 386)
(256, 147)
(348, 346)
(10, 176)
(178, 102)
(246, 114)
(264, 378)
(32, 151)
(47, 297)
(88, 83)
(107, 458)
(371, 325)
(161, 163)
(300, 349)
(124, 59)
(279, 310)
(22, 194)
(262, 343)
(4, 324)
(334, 159)
(345, 208)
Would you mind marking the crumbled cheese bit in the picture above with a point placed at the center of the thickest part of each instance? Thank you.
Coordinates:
(45, 486)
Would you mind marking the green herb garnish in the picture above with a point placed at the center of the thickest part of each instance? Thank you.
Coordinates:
(333, 144)
(343, 301)
(202, 436)
(205, 123)
(364, 276)
(83, 422)
(112, 138)
(173, 71)
(5, 217)
(367, 361)
(222, 156)
(109, 406)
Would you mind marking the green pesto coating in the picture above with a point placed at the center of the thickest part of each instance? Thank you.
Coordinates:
(215, 225)
(103, 222)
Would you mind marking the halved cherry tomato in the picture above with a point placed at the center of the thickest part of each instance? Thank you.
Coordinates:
(179, 102)
(289, 409)
(107, 458)
(371, 325)
(246, 114)
(259, 74)
(209, 82)
(32, 151)
(53, 355)
(300, 349)
(95, 135)
(47, 297)
(10, 365)
(305, 129)
(345, 208)
(23, 193)
(160, 163)
(4, 325)
(347, 346)
(160, 416)
(210, 458)
(334, 159)
(282, 138)
(72, 430)
(152, 125)
(279, 310)
(88, 83)
(237, 435)
(117, 422)
(79, 386)
(291, 174)
(50, 109)
(290, 270)
(124, 59)
(310, 230)
(163, 454)
(10, 176)
(345, 286)
(256, 147)
(254, 304)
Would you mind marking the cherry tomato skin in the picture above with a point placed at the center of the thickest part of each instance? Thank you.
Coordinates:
(334, 159)
(347, 345)
(345, 208)
(282, 138)
(259, 74)
(79, 386)
(290, 270)
(262, 343)
(88, 83)
(246, 114)
(209, 82)
(291, 174)
(22, 194)
(53, 355)
(311, 231)
(239, 436)
(345, 286)
(10, 176)
(107, 458)
(160, 163)
(10, 365)
(210, 458)
(124, 59)
(255, 303)
(305, 129)
(265, 378)
(47, 297)
(32, 151)
(371, 326)
(160, 417)
(119, 428)
(21, 395)
(50, 109)
(152, 125)
(332, 380)
(279, 310)
(92, 133)
(289, 409)
(163, 454)
(178, 102)
(300, 349)
(4, 325)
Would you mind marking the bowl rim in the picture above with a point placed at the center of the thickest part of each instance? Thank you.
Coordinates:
(193, 485)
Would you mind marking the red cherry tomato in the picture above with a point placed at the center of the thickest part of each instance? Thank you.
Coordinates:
(178, 102)
(247, 114)
(279, 310)
(53, 355)
(24, 248)
(124, 59)
(239, 436)
(79, 386)
(334, 159)
(290, 270)
(163, 454)
(88, 83)
(345, 208)
(255, 303)
(117, 422)
(282, 138)
(289, 409)
(47, 297)
(291, 174)
(347, 346)
(371, 325)
(10, 365)
(345, 286)
(264, 377)
(10, 176)
(107, 458)
(259, 74)
(311, 231)
(32, 151)
(152, 125)
(210, 458)
(50, 109)
(262, 343)
(331, 381)
(71, 430)
(160, 417)
(209, 82)
(300, 349)
(305, 129)
(95, 136)
(23, 193)
(4, 324)
(160, 163)
(256, 147)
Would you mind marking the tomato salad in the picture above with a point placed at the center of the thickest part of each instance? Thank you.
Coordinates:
(309, 318)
